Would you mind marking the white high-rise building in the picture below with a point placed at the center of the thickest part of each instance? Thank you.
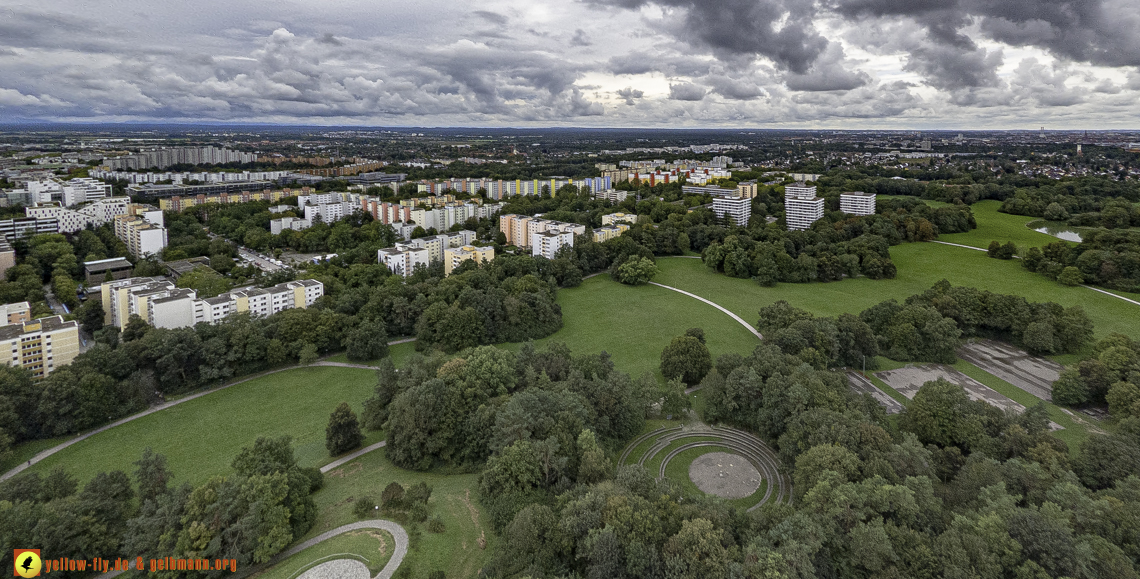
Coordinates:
(547, 243)
(403, 260)
(857, 203)
(738, 209)
(801, 206)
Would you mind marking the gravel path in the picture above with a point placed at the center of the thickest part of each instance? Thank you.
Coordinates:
(353, 456)
(715, 305)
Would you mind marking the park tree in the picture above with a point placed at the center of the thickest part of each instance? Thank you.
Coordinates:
(636, 271)
(368, 341)
(308, 354)
(387, 386)
(941, 414)
(1071, 276)
(1070, 388)
(343, 432)
(90, 316)
(686, 358)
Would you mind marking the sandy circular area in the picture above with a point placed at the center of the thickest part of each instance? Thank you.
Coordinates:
(728, 476)
(338, 569)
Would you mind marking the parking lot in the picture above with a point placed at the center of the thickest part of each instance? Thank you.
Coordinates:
(1031, 373)
(862, 385)
(909, 379)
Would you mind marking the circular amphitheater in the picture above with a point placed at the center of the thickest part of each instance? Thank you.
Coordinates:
(736, 465)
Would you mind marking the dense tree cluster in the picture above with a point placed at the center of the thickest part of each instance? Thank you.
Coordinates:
(1089, 201)
(1109, 374)
(1107, 258)
(249, 515)
(845, 341)
(537, 418)
(956, 489)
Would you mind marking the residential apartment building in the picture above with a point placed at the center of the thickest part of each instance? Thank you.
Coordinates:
(519, 229)
(178, 178)
(402, 261)
(714, 190)
(403, 258)
(735, 209)
(163, 158)
(614, 218)
(547, 243)
(436, 244)
(179, 202)
(748, 189)
(857, 203)
(801, 206)
(329, 212)
(155, 191)
(613, 195)
(163, 305)
(40, 345)
(75, 220)
(23, 227)
(16, 313)
(276, 226)
(452, 257)
(68, 193)
(141, 229)
(609, 232)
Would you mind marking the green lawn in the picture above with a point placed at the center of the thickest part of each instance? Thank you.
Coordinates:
(920, 266)
(373, 547)
(454, 498)
(26, 450)
(634, 324)
(201, 437)
(994, 226)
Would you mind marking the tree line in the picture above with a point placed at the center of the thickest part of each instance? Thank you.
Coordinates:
(248, 515)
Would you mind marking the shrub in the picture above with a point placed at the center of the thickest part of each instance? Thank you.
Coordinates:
(363, 507)
(435, 525)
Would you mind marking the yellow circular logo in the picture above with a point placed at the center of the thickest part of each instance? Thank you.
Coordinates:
(28, 564)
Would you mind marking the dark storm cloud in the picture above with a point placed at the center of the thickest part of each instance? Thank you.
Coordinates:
(1100, 32)
(777, 29)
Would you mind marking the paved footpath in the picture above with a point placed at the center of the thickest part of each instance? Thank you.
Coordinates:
(715, 305)
(1107, 293)
(46, 453)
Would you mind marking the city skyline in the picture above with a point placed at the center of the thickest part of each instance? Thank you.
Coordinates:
(600, 63)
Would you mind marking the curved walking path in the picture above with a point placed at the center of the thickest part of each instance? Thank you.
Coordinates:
(398, 552)
(1107, 293)
(46, 453)
(353, 456)
(715, 305)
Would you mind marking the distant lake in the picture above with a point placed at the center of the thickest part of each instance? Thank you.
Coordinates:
(1060, 231)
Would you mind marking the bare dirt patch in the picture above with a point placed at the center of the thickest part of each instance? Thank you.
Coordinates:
(728, 476)
(341, 472)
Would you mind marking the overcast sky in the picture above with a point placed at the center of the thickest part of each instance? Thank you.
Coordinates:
(629, 63)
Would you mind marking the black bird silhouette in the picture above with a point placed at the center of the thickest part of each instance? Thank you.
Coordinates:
(27, 564)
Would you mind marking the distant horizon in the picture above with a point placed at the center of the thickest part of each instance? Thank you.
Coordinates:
(221, 124)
